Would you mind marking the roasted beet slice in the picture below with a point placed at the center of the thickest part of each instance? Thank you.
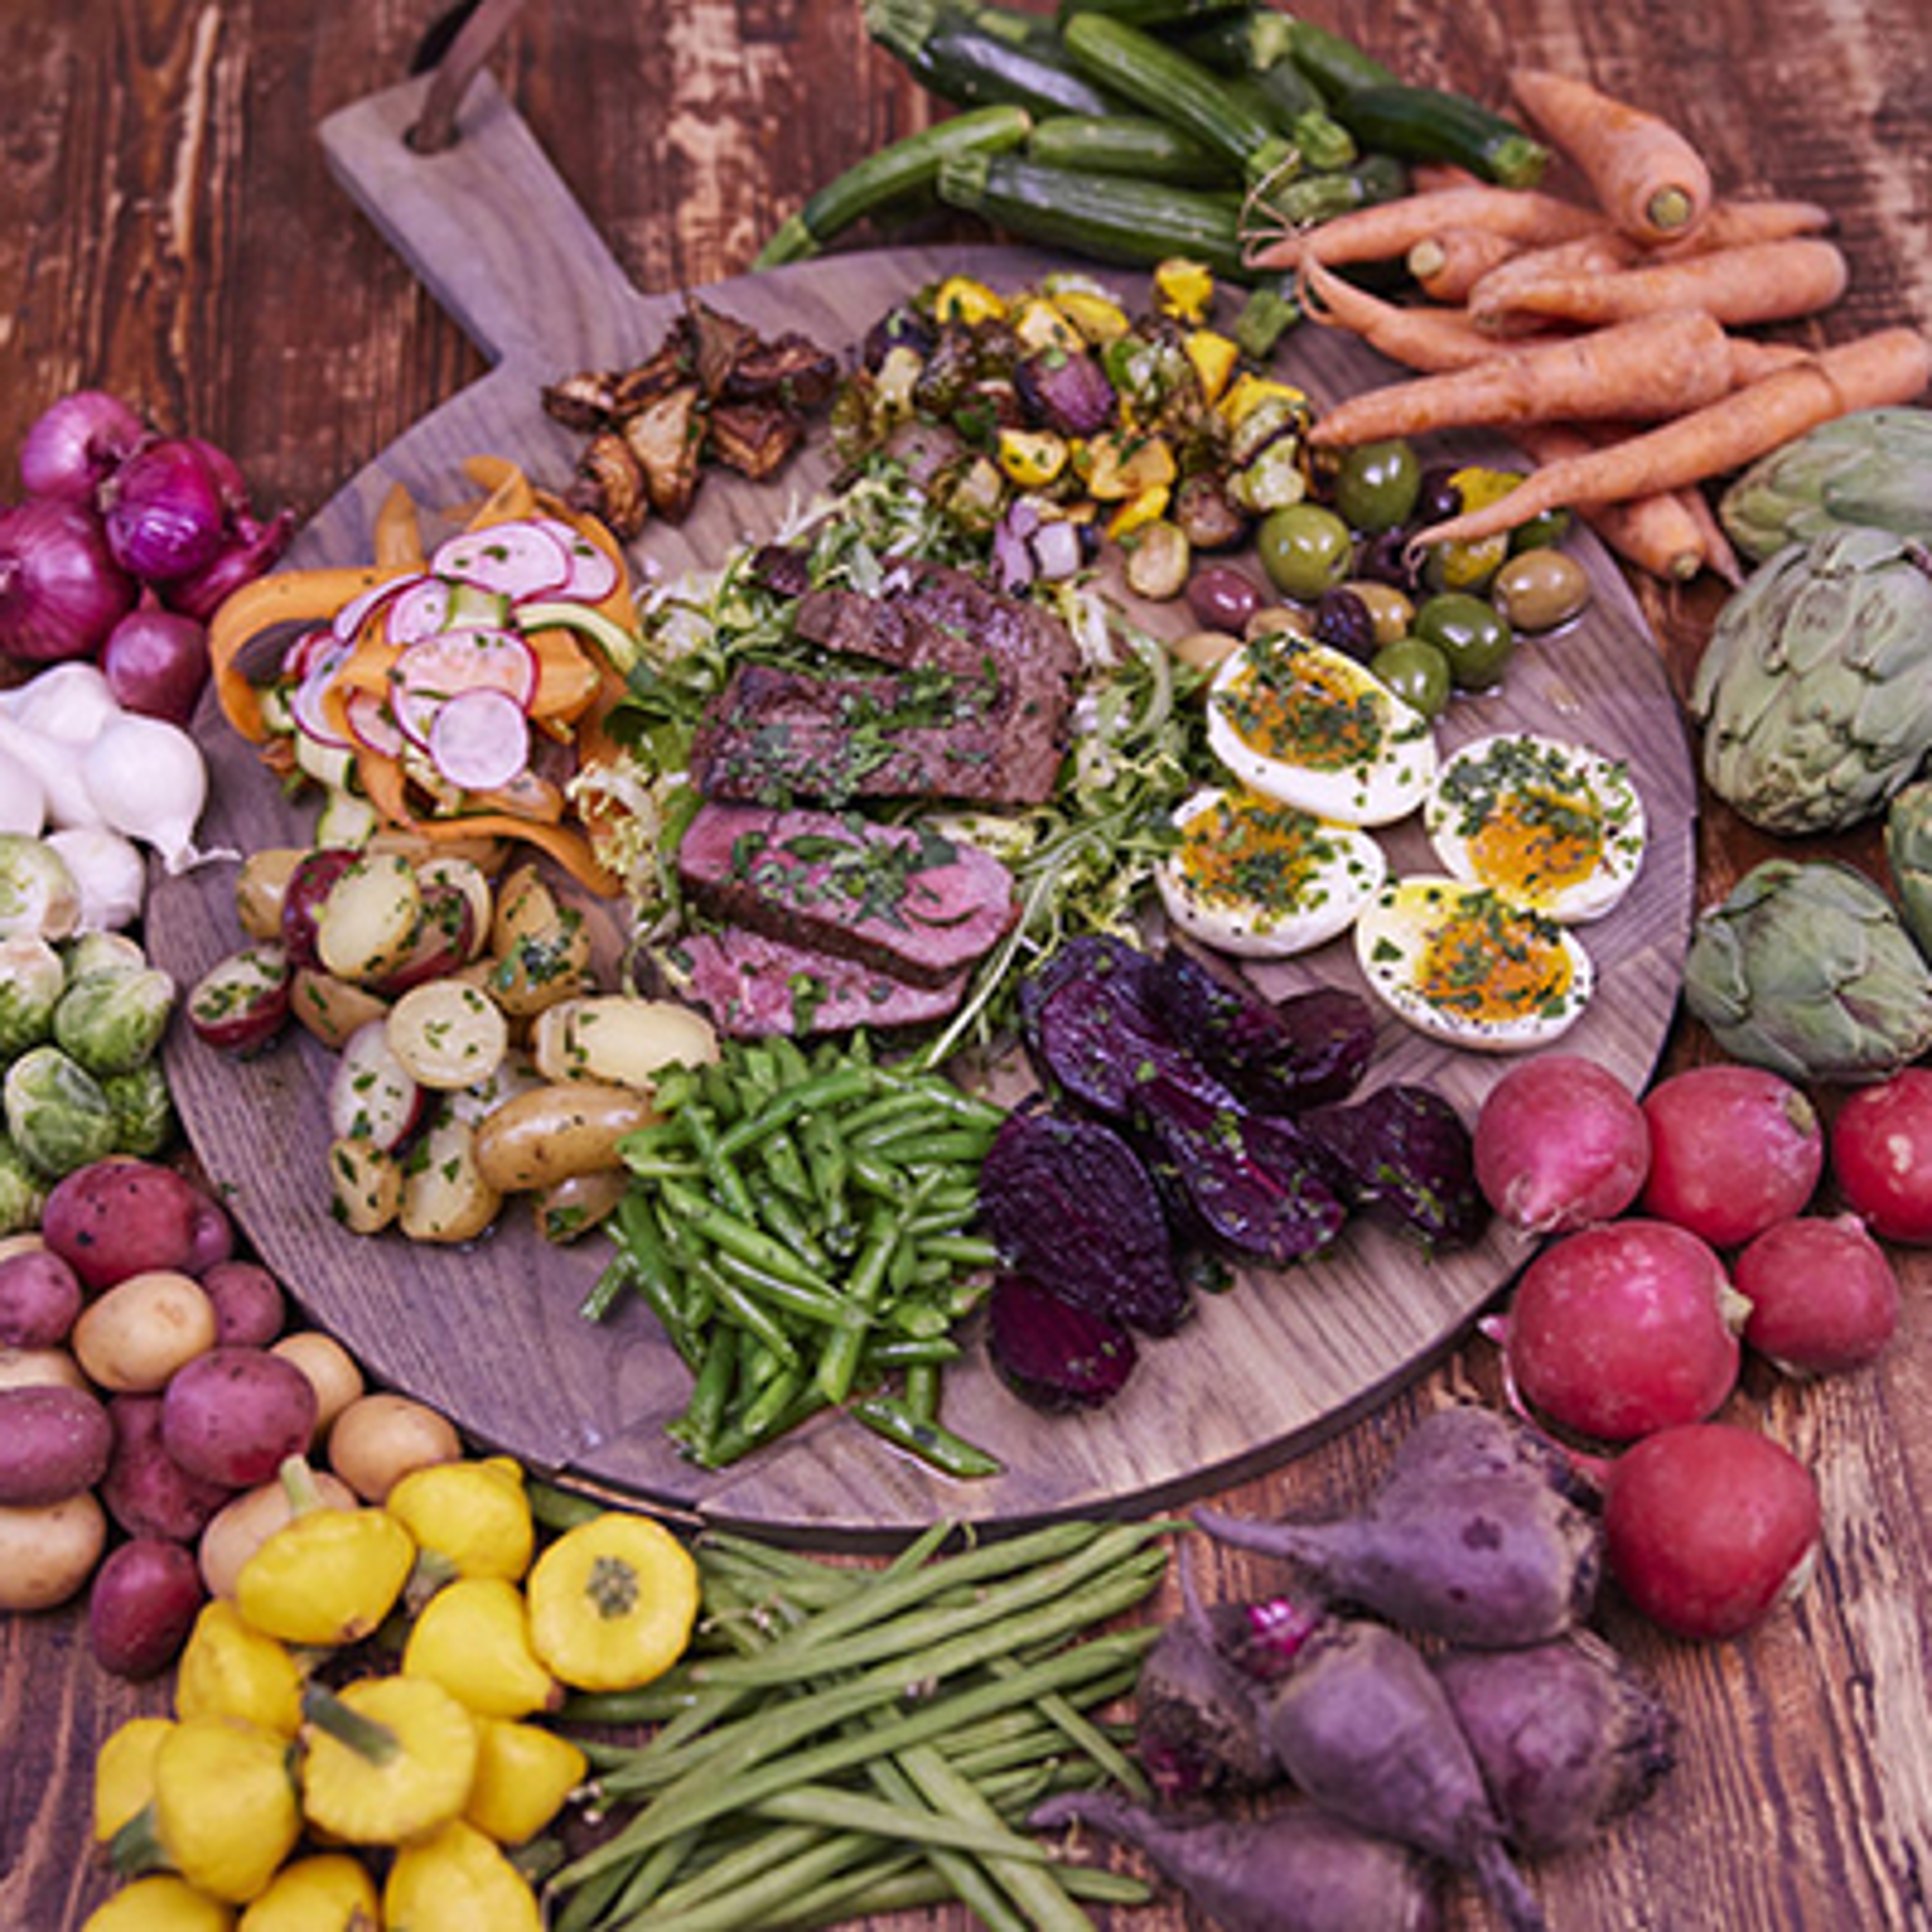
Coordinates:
(1310, 1049)
(1254, 1182)
(1053, 1355)
(1404, 1155)
(1069, 1202)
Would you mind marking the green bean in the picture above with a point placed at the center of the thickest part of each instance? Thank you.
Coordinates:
(1086, 1736)
(749, 1313)
(789, 1066)
(780, 1219)
(823, 1090)
(719, 1168)
(775, 1400)
(828, 1162)
(832, 1808)
(967, 1880)
(748, 1242)
(710, 1392)
(886, 1353)
(934, 1147)
(931, 1442)
(733, 1444)
(752, 1904)
(647, 1883)
(920, 1392)
(807, 1304)
(786, 1166)
(961, 1250)
(612, 1281)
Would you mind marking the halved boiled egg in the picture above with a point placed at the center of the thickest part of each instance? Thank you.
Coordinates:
(1554, 826)
(1307, 725)
(1462, 963)
(1263, 880)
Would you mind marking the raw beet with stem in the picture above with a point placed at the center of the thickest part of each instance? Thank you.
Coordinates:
(1310, 1049)
(1297, 1869)
(1362, 1726)
(1403, 1155)
(1469, 1538)
(1567, 1735)
(1068, 1201)
(1053, 1355)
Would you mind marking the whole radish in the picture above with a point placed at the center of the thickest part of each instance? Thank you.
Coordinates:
(1297, 1869)
(1732, 1149)
(1560, 1143)
(1708, 1527)
(1823, 1295)
(1881, 1147)
(1617, 1330)
(1471, 1538)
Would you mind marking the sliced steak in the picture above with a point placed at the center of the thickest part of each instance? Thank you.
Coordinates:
(901, 898)
(772, 736)
(753, 987)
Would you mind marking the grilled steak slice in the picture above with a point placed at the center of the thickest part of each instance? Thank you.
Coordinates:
(773, 736)
(753, 987)
(900, 897)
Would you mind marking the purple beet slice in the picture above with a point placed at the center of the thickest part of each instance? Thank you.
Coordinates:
(1403, 1155)
(1090, 1027)
(1052, 1355)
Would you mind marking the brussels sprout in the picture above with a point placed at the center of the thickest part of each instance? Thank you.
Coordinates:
(31, 981)
(112, 1021)
(23, 1193)
(38, 897)
(101, 952)
(56, 1113)
(144, 1114)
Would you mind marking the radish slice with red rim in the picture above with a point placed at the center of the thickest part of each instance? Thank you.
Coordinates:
(421, 611)
(305, 700)
(373, 727)
(433, 669)
(521, 559)
(593, 571)
(348, 622)
(479, 739)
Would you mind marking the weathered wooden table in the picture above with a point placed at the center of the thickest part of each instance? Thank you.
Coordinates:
(168, 229)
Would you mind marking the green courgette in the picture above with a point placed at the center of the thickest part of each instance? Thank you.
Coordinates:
(1165, 82)
(1152, 13)
(1251, 52)
(890, 176)
(949, 55)
(1111, 217)
(1430, 123)
(1334, 63)
(1129, 144)
(1248, 40)
(1311, 200)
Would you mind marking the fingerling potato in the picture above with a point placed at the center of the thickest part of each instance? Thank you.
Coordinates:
(551, 1133)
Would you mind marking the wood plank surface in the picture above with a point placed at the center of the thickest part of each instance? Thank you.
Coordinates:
(169, 228)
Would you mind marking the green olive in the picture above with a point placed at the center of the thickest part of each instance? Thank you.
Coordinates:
(1377, 484)
(1416, 672)
(1305, 550)
(1474, 636)
(1540, 589)
(1391, 611)
(1464, 566)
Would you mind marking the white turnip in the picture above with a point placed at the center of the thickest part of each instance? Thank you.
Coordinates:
(1560, 1143)
(1823, 1295)
(1708, 1527)
(1732, 1149)
(1617, 1330)
(1881, 1155)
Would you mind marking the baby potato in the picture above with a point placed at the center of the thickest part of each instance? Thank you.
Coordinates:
(332, 1373)
(551, 1133)
(378, 1439)
(331, 1009)
(48, 1551)
(41, 1368)
(245, 1522)
(366, 923)
(365, 1185)
(447, 1199)
(143, 1330)
(620, 1041)
(261, 887)
(448, 1034)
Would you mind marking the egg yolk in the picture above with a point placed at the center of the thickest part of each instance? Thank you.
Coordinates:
(1255, 854)
(1291, 706)
(1535, 844)
(1486, 963)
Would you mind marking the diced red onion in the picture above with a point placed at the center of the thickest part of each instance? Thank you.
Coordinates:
(76, 444)
(60, 590)
(156, 661)
(252, 551)
(163, 511)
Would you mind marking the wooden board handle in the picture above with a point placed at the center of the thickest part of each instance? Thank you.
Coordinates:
(489, 227)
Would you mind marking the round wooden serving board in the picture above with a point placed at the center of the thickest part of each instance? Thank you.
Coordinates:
(490, 1334)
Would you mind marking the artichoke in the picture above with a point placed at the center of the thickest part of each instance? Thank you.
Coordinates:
(1873, 467)
(1815, 692)
(1908, 855)
(1807, 969)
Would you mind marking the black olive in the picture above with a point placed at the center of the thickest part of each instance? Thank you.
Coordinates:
(1343, 622)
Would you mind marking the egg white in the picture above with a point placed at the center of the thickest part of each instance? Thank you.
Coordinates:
(1394, 940)
(1262, 880)
(1517, 782)
(1309, 694)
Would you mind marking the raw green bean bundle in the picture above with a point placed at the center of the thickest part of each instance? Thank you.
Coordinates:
(801, 1227)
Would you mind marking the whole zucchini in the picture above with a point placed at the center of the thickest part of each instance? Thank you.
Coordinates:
(951, 56)
(1429, 124)
(1129, 144)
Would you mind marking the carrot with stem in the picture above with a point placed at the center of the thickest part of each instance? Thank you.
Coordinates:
(1891, 366)
(1659, 535)
(1448, 264)
(1647, 177)
(1431, 339)
(1388, 231)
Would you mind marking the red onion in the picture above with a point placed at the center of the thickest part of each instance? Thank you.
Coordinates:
(230, 484)
(60, 591)
(77, 444)
(156, 662)
(253, 550)
(163, 511)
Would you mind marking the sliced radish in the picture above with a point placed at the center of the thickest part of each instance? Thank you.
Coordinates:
(305, 700)
(479, 740)
(521, 559)
(303, 649)
(433, 669)
(421, 611)
(593, 571)
(348, 622)
(370, 722)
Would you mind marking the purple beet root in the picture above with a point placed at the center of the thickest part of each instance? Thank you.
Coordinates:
(1567, 1735)
(1052, 1353)
(1469, 1539)
(1404, 1156)
(1298, 1869)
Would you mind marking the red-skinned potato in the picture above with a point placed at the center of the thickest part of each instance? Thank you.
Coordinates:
(146, 1597)
(1732, 1149)
(54, 1442)
(233, 1414)
(250, 1309)
(40, 1296)
(112, 1219)
(241, 1003)
(308, 885)
(146, 1492)
(445, 941)
(1881, 1155)
(1824, 1295)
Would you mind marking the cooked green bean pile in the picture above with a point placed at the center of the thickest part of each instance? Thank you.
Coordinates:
(853, 1741)
(801, 1227)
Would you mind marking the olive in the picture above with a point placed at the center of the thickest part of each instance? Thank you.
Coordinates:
(1540, 589)
(1391, 611)
(1384, 558)
(1306, 549)
(1416, 672)
(1344, 622)
(1272, 619)
(1377, 484)
(1463, 566)
(1221, 598)
(1441, 495)
(1550, 526)
(1474, 636)
(1205, 650)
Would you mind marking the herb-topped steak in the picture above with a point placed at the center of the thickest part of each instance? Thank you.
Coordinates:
(752, 987)
(917, 905)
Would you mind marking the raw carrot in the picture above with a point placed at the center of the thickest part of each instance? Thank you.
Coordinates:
(1759, 281)
(1659, 535)
(1447, 265)
(1719, 555)
(1731, 223)
(1889, 367)
(1660, 366)
(1647, 177)
(1430, 339)
(1388, 231)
